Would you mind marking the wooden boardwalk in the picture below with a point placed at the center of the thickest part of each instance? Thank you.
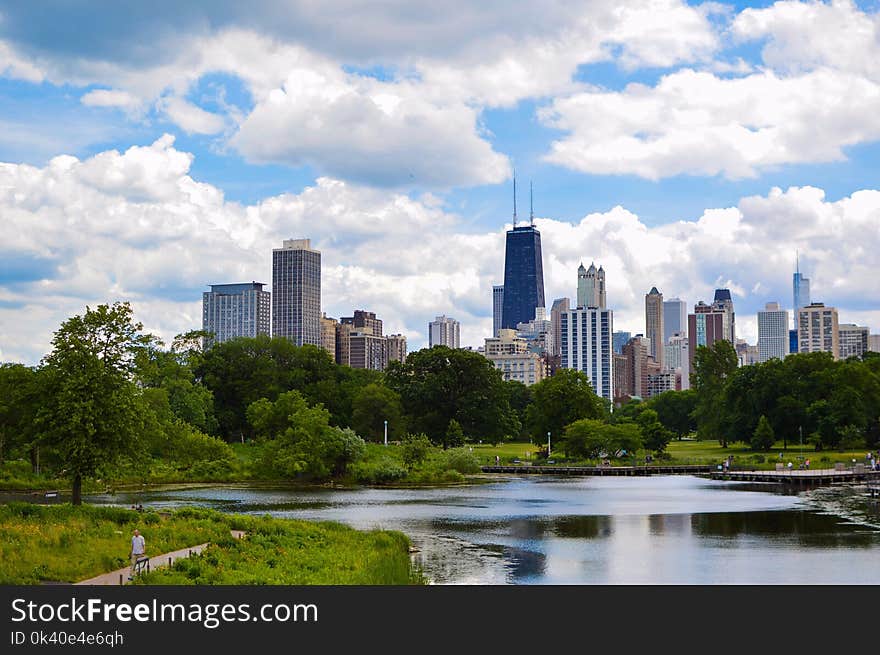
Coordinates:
(598, 470)
(810, 477)
(120, 576)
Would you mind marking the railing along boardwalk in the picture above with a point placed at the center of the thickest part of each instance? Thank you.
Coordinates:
(811, 477)
(598, 470)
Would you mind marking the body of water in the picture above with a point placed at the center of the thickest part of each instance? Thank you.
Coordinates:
(546, 530)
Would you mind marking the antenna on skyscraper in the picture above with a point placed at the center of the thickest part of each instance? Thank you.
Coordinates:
(531, 206)
(514, 197)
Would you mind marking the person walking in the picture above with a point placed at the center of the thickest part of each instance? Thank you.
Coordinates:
(138, 549)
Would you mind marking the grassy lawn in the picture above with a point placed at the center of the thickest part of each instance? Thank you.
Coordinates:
(65, 543)
(279, 551)
(689, 453)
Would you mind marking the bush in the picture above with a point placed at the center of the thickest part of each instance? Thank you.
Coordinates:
(758, 459)
(380, 471)
(415, 449)
(462, 460)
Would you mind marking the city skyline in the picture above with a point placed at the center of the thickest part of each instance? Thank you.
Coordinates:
(684, 146)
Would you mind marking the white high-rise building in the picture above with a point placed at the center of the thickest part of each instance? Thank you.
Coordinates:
(444, 331)
(818, 329)
(853, 340)
(497, 307)
(677, 358)
(296, 292)
(235, 310)
(586, 346)
(874, 343)
(772, 332)
(591, 287)
(675, 318)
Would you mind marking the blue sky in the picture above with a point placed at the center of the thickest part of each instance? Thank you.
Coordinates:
(398, 128)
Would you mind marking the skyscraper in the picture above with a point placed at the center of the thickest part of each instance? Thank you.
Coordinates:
(818, 329)
(619, 339)
(800, 289)
(444, 331)
(396, 347)
(328, 335)
(497, 307)
(586, 346)
(523, 276)
(364, 321)
(559, 305)
(853, 340)
(676, 355)
(591, 287)
(772, 332)
(724, 304)
(705, 327)
(234, 310)
(675, 318)
(654, 324)
(296, 292)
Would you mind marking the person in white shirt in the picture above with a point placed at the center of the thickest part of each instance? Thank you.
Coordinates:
(138, 548)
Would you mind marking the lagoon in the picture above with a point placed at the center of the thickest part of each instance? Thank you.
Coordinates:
(550, 530)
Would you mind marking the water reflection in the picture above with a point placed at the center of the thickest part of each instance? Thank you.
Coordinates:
(593, 530)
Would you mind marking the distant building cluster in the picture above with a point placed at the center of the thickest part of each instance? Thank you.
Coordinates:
(528, 345)
(230, 311)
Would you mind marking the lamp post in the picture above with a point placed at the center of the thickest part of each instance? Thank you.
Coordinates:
(548, 445)
(386, 432)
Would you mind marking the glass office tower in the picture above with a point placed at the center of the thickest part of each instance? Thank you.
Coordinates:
(523, 276)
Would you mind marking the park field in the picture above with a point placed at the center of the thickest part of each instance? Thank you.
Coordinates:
(688, 452)
(62, 543)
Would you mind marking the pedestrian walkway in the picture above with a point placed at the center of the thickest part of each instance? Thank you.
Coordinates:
(120, 576)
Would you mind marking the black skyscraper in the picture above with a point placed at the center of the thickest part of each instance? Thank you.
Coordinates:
(523, 276)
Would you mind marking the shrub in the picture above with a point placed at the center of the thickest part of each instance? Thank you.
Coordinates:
(383, 470)
(415, 449)
(462, 460)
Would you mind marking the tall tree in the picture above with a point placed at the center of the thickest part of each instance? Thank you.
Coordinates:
(560, 400)
(712, 365)
(19, 400)
(439, 384)
(90, 410)
(372, 406)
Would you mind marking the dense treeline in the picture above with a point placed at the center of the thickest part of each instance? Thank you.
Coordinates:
(112, 402)
(809, 398)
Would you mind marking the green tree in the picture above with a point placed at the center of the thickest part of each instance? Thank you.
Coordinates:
(763, 437)
(674, 410)
(241, 371)
(591, 438)
(454, 436)
(559, 400)
(90, 410)
(310, 447)
(415, 449)
(654, 435)
(19, 401)
(439, 384)
(712, 365)
(371, 407)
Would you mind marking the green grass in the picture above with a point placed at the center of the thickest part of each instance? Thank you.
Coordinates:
(711, 452)
(64, 543)
(67, 544)
(278, 551)
(685, 453)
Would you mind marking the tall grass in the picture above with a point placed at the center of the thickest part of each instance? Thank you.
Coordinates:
(64, 543)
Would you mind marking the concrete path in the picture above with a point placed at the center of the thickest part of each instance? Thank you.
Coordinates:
(120, 576)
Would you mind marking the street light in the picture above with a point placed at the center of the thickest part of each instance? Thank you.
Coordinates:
(548, 444)
(386, 432)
